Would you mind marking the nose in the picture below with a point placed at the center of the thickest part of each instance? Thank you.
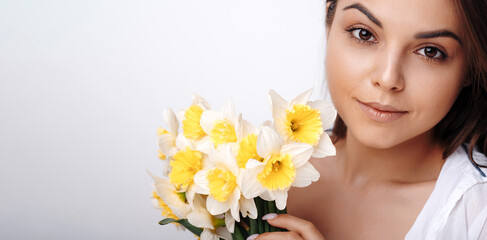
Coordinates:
(389, 75)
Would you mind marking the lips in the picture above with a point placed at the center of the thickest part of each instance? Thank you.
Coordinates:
(380, 112)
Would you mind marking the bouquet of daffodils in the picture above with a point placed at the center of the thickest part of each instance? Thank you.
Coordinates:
(221, 174)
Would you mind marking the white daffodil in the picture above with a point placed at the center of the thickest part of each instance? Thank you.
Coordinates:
(183, 167)
(213, 227)
(283, 166)
(304, 121)
(173, 204)
(191, 118)
(175, 200)
(220, 127)
(166, 139)
(220, 182)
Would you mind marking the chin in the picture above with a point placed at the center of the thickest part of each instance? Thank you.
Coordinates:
(378, 138)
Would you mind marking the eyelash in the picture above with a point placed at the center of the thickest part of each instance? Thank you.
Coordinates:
(351, 29)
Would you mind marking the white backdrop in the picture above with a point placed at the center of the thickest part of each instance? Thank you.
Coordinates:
(83, 84)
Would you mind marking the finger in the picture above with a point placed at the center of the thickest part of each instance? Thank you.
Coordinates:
(279, 236)
(306, 229)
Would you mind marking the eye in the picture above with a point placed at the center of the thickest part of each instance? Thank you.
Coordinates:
(432, 53)
(362, 34)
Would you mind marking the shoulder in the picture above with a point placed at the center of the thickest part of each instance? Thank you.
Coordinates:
(300, 199)
(468, 199)
(468, 218)
(457, 207)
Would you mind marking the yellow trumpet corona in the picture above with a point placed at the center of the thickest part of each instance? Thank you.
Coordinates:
(279, 173)
(303, 124)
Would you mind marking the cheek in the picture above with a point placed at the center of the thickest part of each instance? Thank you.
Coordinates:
(433, 94)
(345, 71)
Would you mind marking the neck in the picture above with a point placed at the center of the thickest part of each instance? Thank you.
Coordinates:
(417, 160)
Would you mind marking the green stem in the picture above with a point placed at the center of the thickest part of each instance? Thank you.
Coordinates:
(267, 226)
(271, 206)
(254, 226)
(237, 234)
(243, 231)
(284, 211)
(260, 210)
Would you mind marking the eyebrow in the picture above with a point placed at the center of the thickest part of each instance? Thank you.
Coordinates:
(420, 35)
(435, 34)
(365, 11)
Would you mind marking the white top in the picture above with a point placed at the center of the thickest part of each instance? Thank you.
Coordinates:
(457, 207)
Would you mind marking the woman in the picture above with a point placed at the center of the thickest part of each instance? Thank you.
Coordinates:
(409, 81)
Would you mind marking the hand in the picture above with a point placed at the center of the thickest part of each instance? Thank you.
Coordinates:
(299, 229)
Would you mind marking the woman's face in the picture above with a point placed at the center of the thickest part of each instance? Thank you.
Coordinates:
(394, 68)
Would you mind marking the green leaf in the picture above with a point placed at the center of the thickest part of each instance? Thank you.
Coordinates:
(195, 230)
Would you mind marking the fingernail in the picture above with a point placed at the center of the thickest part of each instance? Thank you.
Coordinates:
(252, 237)
(269, 216)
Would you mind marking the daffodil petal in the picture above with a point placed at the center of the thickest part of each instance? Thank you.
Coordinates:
(223, 233)
(228, 111)
(250, 187)
(267, 123)
(199, 219)
(300, 153)
(201, 182)
(199, 216)
(268, 142)
(278, 105)
(208, 119)
(215, 207)
(198, 100)
(228, 158)
(166, 168)
(325, 147)
(268, 196)
(199, 203)
(171, 120)
(281, 199)
(180, 115)
(190, 195)
(167, 192)
(243, 128)
(302, 98)
(305, 175)
(328, 112)
(252, 163)
(207, 234)
(182, 142)
(205, 145)
(213, 156)
(234, 205)
(166, 144)
(229, 222)
(248, 208)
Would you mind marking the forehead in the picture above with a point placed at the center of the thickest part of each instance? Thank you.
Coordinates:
(420, 15)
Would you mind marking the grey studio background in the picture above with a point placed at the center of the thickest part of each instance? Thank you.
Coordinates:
(83, 84)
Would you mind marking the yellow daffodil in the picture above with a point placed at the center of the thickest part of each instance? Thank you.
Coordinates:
(220, 182)
(220, 127)
(213, 226)
(166, 138)
(304, 121)
(284, 165)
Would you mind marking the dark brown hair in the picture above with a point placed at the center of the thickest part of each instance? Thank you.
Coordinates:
(466, 122)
